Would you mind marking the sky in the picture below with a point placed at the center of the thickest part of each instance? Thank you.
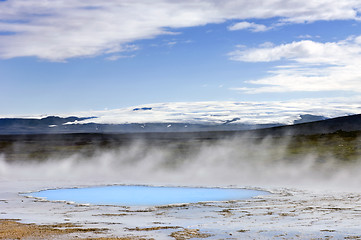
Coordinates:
(60, 56)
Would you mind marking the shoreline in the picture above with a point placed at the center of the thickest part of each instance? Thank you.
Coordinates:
(32, 195)
(287, 213)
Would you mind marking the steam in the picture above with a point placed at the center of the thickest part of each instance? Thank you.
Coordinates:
(238, 162)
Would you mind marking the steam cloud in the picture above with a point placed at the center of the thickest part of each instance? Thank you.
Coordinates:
(238, 161)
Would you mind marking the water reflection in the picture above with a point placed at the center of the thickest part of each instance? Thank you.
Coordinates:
(145, 195)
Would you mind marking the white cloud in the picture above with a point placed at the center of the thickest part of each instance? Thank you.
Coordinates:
(302, 51)
(57, 30)
(117, 57)
(254, 27)
(307, 36)
(312, 66)
(218, 112)
(266, 45)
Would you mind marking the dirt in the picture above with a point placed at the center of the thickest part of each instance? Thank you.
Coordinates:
(188, 234)
(11, 229)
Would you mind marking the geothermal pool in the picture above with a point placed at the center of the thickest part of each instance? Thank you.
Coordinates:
(145, 195)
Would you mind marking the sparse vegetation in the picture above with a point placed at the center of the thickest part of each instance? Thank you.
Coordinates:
(344, 146)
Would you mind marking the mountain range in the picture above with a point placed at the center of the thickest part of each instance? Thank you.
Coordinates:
(56, 125)
(183, 117)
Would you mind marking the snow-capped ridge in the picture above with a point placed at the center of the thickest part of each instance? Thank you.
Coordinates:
(281, 112)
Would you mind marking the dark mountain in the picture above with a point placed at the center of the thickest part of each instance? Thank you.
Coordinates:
(346, 124)
(55, 125)
(309, 118)
(30, 125)
(52, 120)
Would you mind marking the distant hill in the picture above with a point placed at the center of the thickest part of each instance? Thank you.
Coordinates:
(56, 125)
(30, 125)
(346, 123)
(306, 125)
(309, 118)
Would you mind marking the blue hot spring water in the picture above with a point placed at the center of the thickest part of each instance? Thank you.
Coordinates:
(145, 195)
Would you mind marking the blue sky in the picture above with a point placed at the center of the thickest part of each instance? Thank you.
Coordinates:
(88, 55)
